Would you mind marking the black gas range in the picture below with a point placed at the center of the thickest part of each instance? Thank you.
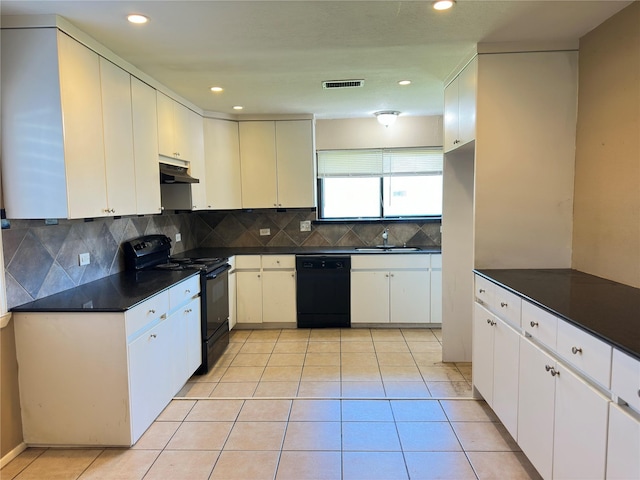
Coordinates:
(152, 252)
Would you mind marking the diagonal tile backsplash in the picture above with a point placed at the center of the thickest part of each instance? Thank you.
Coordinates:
(41, 259)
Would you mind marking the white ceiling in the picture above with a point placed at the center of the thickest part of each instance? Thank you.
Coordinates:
(271, 56)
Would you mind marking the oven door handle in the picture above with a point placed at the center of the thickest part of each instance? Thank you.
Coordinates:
(214, 274)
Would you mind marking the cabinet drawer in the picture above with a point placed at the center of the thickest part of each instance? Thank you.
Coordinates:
(146, 312)
(248, 262)
(484, 291)
(278, 261)
(625, 378)
(584, 351)
(540, 324)
(184, 291)
(390, 261)
(507, 306)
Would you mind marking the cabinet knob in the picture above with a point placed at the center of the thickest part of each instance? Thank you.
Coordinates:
(554, 372)
(194, 206)
(533, 324)
(576, 350)
(188, 310)
(490, 322)
(187, 291)
(386, 275)
(152, 311)
(153, 335)
(482, 290)
(503, 304)
(547, 367)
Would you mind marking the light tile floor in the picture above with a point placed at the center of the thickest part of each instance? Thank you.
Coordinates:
(310, 404)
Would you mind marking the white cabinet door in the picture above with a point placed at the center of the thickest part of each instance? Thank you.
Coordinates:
(580, 432)
(279, 296)
(258, 164)
(370, 297)
(193, 338)
(145, 135)
(467, 84)
(451, 115)
(118, 139)
(482, 353)
(536, 406)
(436, 289)
(506, 356)
(623, 461)
(222, 164)
(195, 154)
(150, 382)
(409, 296)
(83, 132)
(295, 163)
(166, 142)
(249, 297)
(181, 132)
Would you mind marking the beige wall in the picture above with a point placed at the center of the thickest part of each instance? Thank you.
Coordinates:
(368, 133)
(606, 239)
(11, 431)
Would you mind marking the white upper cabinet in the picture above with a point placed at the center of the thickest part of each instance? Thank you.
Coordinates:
(52, 135)
(277, 164)
(222, 164)
(118, 138)
(173, 129)
(460, 108)
(195, 152)
(145, 134)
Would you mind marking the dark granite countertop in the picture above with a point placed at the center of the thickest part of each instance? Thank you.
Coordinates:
(606, 309)
(115, 293)
(231, 251)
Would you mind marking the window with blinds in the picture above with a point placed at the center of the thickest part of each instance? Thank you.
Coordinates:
(380, 183)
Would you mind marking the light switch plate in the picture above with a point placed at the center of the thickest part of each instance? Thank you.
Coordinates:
(178, 237)
(265, 231)
(84, 259)
(305, 226)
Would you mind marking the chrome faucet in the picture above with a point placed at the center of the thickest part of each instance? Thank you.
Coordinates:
(385, 237)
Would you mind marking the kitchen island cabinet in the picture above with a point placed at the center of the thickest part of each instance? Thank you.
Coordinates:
(94, 374)
(577, 368)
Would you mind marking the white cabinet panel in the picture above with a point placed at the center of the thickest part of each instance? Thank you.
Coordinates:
(623, 460)
(278, 296)
(145, 148)
(249, 297)
(195, 155)
(258, 164)
(482, 355)
(369, 297)
(625, 378)
(222, 164)
(436, 289)
(460, 108)
(409, 297)
(506, 355)
(295, 155)
(118, 139)
(540, 324)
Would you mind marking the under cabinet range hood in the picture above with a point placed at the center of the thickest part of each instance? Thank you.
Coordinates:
(175, 174)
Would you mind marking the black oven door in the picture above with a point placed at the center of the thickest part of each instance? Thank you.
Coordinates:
(215, 301)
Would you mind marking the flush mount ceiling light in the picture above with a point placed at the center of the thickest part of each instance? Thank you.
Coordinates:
(443, 4)
(216, 89)
(387, 117)
(404, 82)
(238, 107)
(137, 18)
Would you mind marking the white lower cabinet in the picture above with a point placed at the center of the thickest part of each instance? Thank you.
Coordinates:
(623, 448)
(391, 288)
(495, 373)
(265, 289)
(101, 378)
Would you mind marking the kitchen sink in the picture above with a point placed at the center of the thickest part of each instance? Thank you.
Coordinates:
(387, 249)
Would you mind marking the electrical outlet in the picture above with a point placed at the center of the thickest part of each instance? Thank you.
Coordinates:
(305, 226)
(265, 231)
(84, 259)
(178, 237)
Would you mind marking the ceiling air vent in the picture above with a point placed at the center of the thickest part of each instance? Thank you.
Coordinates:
(342, 83)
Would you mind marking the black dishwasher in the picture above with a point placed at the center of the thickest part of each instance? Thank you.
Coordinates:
(323, 291)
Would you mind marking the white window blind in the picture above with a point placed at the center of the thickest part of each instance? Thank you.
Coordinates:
(380, 162)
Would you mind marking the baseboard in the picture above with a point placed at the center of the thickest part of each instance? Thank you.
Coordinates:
(12, 454)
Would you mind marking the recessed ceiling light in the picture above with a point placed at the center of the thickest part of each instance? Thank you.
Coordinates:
(238, 107)
(137, 18)
(404, 82)
(216, 89)
(443, 4)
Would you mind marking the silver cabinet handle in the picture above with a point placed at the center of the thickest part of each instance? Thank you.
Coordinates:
(533, 324)
(576, 350)
(551, 370)
(503, 304)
